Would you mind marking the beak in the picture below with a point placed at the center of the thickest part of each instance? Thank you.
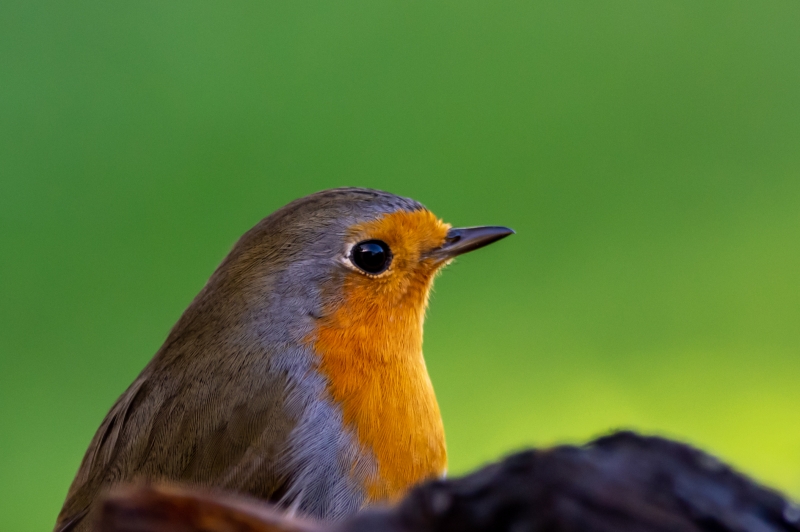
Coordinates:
(461, 240)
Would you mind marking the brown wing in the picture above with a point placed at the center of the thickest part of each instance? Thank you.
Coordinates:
(192, 433)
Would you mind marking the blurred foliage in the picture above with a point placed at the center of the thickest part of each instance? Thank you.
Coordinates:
(645, 152)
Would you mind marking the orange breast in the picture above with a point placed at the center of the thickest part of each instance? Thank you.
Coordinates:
(371, 353)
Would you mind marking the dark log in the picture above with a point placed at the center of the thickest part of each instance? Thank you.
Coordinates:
(620, 483)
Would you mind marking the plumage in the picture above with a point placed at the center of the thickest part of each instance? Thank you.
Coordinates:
(292, 376)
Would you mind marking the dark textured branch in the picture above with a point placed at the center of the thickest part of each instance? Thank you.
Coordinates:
(620, 483)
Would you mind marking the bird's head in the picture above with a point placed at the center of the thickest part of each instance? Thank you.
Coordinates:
(349, 268)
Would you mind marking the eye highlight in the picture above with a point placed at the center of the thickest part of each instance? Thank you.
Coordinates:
(371, 256)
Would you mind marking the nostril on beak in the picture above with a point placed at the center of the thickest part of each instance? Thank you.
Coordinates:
(452, 237)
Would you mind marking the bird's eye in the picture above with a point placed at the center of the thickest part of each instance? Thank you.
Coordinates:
(372, 256)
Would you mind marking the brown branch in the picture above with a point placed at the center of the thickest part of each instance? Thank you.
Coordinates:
(176, 509)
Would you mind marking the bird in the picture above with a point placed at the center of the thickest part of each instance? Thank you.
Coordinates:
(296, 375)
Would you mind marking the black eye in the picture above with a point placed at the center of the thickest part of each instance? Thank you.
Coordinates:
(372, 256)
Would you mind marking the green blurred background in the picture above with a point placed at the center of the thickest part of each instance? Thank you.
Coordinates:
(647, 153)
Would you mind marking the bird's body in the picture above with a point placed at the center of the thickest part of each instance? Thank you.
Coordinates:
(295, 375)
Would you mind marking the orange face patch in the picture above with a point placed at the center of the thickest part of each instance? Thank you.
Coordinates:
(409, 235)
(370, 348)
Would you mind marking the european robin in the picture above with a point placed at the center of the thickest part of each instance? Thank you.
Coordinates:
(296, 375)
